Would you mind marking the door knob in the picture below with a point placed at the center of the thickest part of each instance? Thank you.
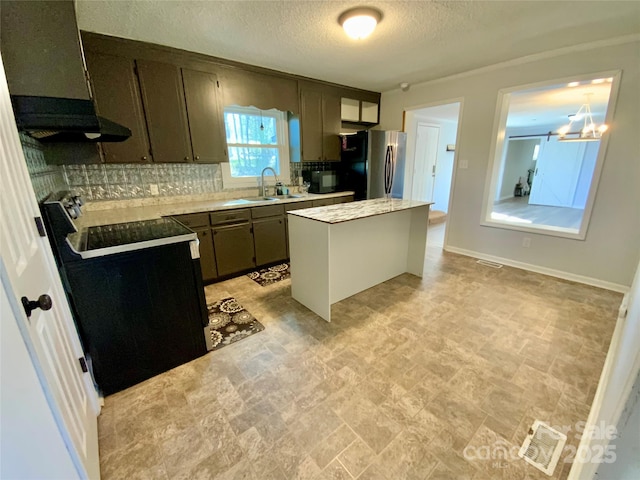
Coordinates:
(43, 302)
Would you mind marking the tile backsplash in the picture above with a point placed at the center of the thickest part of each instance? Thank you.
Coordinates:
(101, 182)
(297, 168)
(119, 182)
(44, 178)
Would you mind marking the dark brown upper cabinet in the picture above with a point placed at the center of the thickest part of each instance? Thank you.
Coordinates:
(320, 124)
(331, 126)
(181, 98)
(311, 124)
(165, 111)
(205, 117)
(117, 96)
(246, 89)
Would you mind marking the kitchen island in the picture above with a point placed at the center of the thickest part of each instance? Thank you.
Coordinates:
(340, 250)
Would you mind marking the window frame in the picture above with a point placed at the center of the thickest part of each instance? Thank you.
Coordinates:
(499, 143)
(282, 145)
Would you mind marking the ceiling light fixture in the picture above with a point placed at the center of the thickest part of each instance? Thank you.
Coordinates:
(360, 22)
(589, 132)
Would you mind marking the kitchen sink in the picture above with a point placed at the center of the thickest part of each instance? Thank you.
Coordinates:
(243, 201)
(284, 197)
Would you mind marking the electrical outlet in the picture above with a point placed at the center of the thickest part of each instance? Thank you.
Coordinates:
(526, 242)
(154, 189)
(464, 164)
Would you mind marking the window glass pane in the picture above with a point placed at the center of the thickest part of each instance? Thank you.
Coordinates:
(547, 151)
(250, 129)
(249, 161)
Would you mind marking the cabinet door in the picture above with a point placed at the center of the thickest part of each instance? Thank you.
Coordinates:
(201, 93)
(163, 100)
(117, 96)
(331, 126)
(207, 254)
(233, 248)
(270, 240)
(311, 125)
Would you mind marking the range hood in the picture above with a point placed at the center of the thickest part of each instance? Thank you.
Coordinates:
(52, 119)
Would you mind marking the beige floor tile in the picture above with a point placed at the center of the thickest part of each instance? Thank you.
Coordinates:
(408, 374)
(356, 457)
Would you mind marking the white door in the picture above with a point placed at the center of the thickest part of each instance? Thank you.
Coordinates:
(556, 174)
(50, 335)
(427, 137)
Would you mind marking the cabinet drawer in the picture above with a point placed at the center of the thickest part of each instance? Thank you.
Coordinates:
(268, 211)
(298, 205)
(193, 220)
(323, 202)
(230, 216)
(343, 199)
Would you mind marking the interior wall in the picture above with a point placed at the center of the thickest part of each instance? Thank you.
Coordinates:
(586, 174)
(610, 251)
(518, 161)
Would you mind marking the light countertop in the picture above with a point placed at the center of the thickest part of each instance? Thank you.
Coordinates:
(345, 212)
(93, 217)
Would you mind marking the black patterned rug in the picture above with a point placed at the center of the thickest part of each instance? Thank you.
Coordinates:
(271, 275)
(229, 322)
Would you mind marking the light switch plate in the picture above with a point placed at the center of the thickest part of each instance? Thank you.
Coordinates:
(154, 189)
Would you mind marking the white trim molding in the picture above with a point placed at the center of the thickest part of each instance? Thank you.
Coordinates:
(595, 282)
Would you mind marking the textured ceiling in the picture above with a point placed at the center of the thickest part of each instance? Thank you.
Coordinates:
(416, 41)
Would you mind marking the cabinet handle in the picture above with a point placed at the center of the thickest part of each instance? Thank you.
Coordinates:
(186, 159)
(144, 158)
(197, 157)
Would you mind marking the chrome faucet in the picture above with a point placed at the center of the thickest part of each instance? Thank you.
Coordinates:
(263, 191)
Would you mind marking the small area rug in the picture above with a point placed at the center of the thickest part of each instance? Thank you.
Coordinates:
(271, 275)
(229, 322)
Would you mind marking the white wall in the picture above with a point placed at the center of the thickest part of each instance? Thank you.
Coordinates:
(611, 249)
(518, 161)
(586, 174)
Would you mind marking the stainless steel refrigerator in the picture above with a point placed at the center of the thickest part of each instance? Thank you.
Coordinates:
(373, 164)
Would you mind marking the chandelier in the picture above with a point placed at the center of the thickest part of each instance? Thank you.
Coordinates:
(581, 127)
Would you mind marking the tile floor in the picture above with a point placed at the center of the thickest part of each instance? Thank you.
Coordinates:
(411, 374)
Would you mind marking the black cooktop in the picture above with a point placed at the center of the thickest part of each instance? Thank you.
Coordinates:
(106, 236)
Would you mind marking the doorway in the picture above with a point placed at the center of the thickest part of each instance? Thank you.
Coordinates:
(431, 138)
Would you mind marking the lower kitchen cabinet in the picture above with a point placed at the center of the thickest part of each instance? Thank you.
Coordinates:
(270, 240)
(233, 248)
(324, 202)
(236, 240)
(207, 254)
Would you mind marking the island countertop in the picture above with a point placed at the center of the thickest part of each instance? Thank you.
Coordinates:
(346, 212)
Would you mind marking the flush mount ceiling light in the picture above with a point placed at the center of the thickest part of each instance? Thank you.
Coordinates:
(589, 132)
(360, 22)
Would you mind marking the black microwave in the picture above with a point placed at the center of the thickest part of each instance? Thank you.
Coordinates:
(322, 181)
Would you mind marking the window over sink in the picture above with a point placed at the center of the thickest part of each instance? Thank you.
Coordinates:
(255, 139)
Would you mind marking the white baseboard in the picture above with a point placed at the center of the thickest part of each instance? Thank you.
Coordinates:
(538, 269)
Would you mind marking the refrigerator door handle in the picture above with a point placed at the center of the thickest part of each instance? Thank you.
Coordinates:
(388, 170)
